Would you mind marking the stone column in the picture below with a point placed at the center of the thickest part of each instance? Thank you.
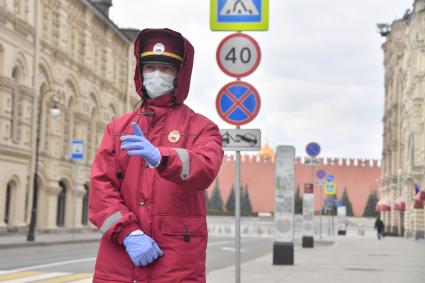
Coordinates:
(418, 223)
(408, 223)
(387, 219)
(401, 223)
(47, 206)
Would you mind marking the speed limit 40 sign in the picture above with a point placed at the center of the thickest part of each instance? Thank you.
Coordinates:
(238, 55)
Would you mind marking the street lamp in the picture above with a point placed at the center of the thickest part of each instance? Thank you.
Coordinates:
(55, 112)
(384, 29)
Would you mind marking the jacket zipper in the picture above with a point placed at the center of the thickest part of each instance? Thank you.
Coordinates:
(154, 188)
(142, 174)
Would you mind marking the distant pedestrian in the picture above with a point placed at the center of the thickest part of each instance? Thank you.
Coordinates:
(379, 226)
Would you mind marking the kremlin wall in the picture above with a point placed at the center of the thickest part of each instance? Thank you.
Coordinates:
(360, 177)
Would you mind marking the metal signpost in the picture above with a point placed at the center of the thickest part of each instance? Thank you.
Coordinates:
(283, 246)
(238, 103)
(313, 150)
(77, 153)
(329, 189)
(320, 184)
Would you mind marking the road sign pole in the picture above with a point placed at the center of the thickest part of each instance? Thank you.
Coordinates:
(320, 214)
(238, 217)
(312, 182)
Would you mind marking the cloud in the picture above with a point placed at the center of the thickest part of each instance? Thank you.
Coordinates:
(321, 74)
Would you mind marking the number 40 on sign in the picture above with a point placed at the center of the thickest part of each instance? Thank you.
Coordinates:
(238, 55)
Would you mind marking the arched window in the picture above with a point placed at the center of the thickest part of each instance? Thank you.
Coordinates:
(1, 60)
(7, 206)
(85, 214)
(60, 212)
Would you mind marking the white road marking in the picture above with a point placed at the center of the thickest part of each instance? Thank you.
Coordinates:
(88, 280)
(231, 249)
(52, 264)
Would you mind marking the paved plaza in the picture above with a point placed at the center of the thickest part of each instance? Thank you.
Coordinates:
(350, 259)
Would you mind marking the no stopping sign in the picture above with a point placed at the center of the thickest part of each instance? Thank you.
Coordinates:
(238, 55)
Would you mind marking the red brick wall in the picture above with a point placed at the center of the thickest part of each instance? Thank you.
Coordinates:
(258, 174)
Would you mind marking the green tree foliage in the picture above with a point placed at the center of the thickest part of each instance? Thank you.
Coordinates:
(230, 203)
(346, 201)
(215, 202)
(298, 202)
(246, 205)
(372, 200)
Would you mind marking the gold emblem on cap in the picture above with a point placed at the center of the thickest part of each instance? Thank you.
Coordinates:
(174, 136)
(158, 48)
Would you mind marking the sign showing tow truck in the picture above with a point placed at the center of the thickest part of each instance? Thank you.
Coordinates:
(241, 139)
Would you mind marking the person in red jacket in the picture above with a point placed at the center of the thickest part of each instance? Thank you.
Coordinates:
(150, 173)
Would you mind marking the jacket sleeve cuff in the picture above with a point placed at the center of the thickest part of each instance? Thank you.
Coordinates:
(126, 231)
(166, 153)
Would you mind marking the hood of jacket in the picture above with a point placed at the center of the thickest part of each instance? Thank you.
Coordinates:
(182, 84)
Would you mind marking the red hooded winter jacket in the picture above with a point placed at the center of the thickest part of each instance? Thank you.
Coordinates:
(167, 203)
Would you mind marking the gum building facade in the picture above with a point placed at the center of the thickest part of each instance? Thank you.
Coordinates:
(70, 56)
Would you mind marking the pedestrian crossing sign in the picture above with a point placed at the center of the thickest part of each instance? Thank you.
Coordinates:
(329, 188)
(239, 15)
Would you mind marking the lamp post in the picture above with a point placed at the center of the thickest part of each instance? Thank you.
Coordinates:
(55, 112)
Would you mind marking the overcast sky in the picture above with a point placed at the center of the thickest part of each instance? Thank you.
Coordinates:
(321, 74)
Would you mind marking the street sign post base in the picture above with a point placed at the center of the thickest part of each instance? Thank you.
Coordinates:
(308, 242)
(283, 253)
(341, 232)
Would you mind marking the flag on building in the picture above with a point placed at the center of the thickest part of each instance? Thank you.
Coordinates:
(416, 186)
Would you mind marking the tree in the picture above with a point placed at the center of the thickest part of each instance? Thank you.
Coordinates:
(246, 201)
(298, 202)
(230, 203)
(372, 200)
(346, 201)
(216, 202)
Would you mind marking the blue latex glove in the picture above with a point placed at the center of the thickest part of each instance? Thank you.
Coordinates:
(141, 248)
(137, 144)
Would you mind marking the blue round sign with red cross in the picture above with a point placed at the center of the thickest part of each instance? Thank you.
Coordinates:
(313, 149)
(238, 103)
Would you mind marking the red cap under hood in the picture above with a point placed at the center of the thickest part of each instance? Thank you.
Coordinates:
(183, 77)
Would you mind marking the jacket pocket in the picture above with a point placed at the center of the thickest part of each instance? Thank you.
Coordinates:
(183, 225)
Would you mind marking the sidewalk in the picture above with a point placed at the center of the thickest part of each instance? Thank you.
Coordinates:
(47, 239)
(350, 259)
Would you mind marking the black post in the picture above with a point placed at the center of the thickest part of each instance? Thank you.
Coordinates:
(31, 230)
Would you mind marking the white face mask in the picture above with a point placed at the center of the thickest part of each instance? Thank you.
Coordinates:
(158, 83)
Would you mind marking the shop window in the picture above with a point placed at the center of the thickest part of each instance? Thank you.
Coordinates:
(7, 206)
(85, 214)
(60, 212)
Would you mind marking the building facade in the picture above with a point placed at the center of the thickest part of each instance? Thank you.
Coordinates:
(65, 55)
(403, 157)
(358, 177)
